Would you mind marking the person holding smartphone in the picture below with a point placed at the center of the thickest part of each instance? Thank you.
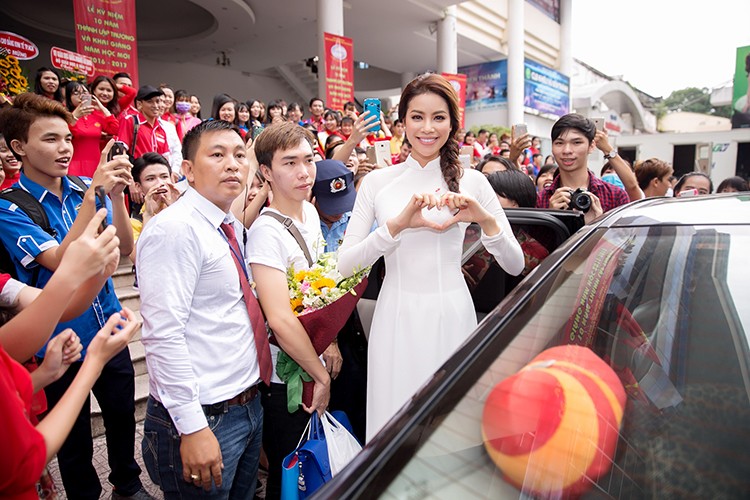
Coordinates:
(37, 131)
(422, 210)
(91, 120)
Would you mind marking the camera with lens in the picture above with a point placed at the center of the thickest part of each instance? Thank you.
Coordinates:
(580, 200)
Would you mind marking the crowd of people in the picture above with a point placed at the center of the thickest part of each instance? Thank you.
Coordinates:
(185, 199)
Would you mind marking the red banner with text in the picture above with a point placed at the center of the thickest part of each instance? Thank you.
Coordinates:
(458, 81)
(105, 32)
(339, 64)
(72, 61)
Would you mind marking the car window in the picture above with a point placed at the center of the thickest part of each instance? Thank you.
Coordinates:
(668, 310)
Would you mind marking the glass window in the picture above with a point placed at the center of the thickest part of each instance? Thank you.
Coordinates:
(666, 308)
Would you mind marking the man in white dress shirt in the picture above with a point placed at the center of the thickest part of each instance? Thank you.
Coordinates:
(204, 419)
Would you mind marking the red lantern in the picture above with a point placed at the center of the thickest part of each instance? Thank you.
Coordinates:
(553, 427)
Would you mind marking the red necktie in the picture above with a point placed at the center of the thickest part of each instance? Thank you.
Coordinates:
(253, 308)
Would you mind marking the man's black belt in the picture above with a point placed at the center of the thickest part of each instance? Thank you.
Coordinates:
(239, 400)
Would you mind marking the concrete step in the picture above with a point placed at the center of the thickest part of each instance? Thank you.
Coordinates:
(124, 277)
(141, 396)
(138, 356)
(129, 298)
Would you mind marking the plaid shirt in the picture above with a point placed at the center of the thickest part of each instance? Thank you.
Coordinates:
(610, 196)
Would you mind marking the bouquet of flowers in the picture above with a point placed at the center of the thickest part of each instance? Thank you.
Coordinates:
(12, 79)
(322, 299)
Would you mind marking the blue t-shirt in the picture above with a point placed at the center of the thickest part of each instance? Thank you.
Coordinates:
(334, 235)
(24, 241)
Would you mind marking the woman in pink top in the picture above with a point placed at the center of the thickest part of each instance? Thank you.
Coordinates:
(184, 120)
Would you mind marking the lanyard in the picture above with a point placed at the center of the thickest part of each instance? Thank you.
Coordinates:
(234, 252)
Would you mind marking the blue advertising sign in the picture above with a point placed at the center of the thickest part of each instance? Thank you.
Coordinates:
(546, 91)
(486, 85)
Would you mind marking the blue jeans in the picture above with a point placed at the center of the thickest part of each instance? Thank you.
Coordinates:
(239, 432)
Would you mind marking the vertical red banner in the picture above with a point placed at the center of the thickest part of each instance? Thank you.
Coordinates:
(458, 81)
(105, 32)
(339, 63)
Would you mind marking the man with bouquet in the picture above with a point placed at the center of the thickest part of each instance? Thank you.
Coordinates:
(285, 157)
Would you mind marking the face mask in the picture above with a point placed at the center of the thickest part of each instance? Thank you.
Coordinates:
(182, 107)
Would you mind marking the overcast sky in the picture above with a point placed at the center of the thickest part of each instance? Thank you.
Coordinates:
(662, 45)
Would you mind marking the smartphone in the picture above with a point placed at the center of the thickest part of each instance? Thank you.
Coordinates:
(118, 148)
(465, 154)
(465, 160)
(382, 153)
(520, 130)
(101, 198)
(371, 155)
(257, 129)
(373, 106)
(86, 99)
(685, 193)
(599, 122)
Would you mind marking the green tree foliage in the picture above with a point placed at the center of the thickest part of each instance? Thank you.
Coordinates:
(694, 100)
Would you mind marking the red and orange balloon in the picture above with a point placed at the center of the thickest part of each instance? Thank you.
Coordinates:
(552, 428)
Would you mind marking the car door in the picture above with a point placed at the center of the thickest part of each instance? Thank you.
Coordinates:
(541, 232)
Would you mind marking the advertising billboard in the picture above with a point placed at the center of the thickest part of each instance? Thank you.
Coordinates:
(486, 85)
(741, 93)
(546, 91)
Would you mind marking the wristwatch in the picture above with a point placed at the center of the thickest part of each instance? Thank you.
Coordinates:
(610, 155)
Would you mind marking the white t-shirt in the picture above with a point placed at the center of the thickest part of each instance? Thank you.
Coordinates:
(270, 243)
(9, 293)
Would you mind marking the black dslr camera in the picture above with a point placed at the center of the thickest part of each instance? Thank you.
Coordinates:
(580, 200)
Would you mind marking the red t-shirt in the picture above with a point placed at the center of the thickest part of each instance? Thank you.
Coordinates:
(8, 182)
(150, 138)
(24, 452)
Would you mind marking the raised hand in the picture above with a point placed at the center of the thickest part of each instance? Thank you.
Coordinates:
(91, 253)
(83, 109)
(467, 209)
(113, 337)
(159, 197)
(411, 216)
(62, 350)
(362, 125)
(114, 175)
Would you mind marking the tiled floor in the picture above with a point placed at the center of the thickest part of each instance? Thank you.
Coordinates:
(100, 462)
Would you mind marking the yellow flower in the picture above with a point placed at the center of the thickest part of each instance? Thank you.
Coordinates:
(323, 283)
(12, 59)
(300, 275)
(296, 304)
(4, 63)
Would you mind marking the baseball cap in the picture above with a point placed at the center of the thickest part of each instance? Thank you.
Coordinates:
(334, 187)
(147, 92)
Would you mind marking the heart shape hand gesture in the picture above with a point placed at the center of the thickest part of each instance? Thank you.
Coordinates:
(464, 209)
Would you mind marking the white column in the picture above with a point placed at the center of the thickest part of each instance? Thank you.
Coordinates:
(447, 42)
(330, 20)
(406, 78)
(566, 37)
(515, 61)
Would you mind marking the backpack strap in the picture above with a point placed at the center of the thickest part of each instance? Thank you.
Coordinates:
(136, 125)
(78, 182)
(289, 225)
(30, 206)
